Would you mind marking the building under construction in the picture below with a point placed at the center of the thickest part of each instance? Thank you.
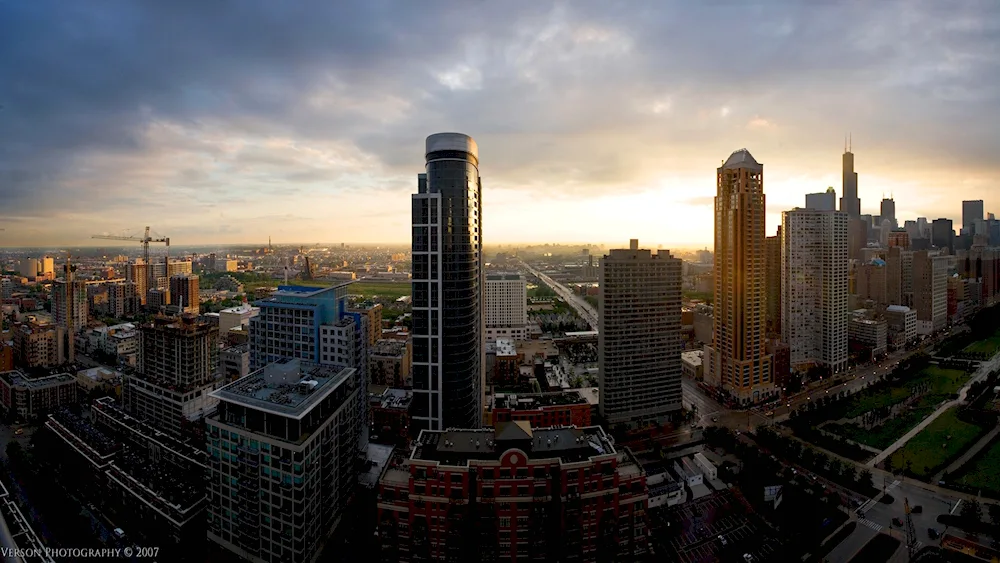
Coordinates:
(178, 368)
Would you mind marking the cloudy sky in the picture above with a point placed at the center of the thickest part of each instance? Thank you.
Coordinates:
(230, 121)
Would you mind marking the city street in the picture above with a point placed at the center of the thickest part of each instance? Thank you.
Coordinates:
(579, 304)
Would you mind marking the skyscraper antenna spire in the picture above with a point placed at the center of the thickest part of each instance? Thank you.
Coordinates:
(850, 142)
(845, 143)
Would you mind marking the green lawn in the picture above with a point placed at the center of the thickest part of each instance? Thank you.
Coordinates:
(942, 383)
(930, 450)
(386, 290)
(987, 346)
(982, 473)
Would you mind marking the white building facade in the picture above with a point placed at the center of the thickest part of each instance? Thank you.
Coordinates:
(814, 275)
(506, 307)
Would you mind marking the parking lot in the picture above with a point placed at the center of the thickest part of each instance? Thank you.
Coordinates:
(700, 524)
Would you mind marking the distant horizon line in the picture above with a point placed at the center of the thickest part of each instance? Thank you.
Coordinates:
(159, 249)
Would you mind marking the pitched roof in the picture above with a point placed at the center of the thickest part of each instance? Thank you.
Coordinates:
(516, 430)
(742, 159)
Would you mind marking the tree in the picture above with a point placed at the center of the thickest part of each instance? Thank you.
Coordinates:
(994, 512)
(972, 511)
(865, 478)
(14, 450)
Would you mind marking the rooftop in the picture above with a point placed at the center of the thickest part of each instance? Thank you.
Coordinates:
(376, 458)
(390, 397)
(301, 291)
(458, 447)
(387, 347)
(537, 400)
(505, 347)
(18, 379)
(288, 387)
(124, 421)
(240, 309)
(507, 276)
(898, 309)
(237, 349)
(694, 357)
(98, 373)
(742, 159)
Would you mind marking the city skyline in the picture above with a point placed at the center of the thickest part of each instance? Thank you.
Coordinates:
(575, 109)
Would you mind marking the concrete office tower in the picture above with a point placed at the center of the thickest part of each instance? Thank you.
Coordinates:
(282, 460)
(850, 203)
(639, 341)
(814, 285)
(972, 212)
(883, 233)
(923, 228)
(737, 360)
(448, 321)
(47, 265)
(943, 235)
(178, 365)
(822, 201)
(888, 211)
(930, 291)
(61, 306)
(506, 307)
(184, 293)
(894, 288)
(911, 228)
(774, 284)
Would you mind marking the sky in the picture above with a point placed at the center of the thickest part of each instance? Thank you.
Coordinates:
(597, 121)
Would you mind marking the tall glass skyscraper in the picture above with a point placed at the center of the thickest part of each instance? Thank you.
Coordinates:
(448, 377)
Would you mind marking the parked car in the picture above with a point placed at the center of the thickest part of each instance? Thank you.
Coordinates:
(933, 533)
(897, 522)
(723, 540)
(917, 509)
(748, 558)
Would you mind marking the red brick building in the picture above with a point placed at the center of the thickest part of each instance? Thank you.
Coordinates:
(540, 409)
(514, 494)
(390, 413)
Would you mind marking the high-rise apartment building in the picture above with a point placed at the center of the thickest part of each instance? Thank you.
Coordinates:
(514, 493)
(737, 360)
(28, 268)
(123, 299)
(773, 262)
(822, 201)
(506, 307)
(178, 369)
(972, 212)
(39, 345)
(184, 293)
(47, 265)
(872, 278)
(313, 325)
(850, 203)
(448, 322)
(282, 460)
(814, 288)
(930, 291)
(639, 342)
(61, 306)
(943, 235)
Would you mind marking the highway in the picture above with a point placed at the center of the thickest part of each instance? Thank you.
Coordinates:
(579, 304)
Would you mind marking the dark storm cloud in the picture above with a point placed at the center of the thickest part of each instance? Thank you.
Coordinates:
(126, 101)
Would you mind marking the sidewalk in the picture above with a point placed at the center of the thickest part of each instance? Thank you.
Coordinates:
(982, 443)
(984, 369)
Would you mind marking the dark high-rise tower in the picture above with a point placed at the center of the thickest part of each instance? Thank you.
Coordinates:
(850, 202)
(448, 287)
(888, 211)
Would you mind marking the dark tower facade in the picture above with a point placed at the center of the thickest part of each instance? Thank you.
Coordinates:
(448, 377)
(850, 202)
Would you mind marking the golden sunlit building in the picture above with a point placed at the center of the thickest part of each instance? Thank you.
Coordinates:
(737, 361)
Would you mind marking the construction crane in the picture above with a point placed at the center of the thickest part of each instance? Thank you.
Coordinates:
(144, 241)
(911, 532)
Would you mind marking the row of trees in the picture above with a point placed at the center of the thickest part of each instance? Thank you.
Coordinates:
(845, 474)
